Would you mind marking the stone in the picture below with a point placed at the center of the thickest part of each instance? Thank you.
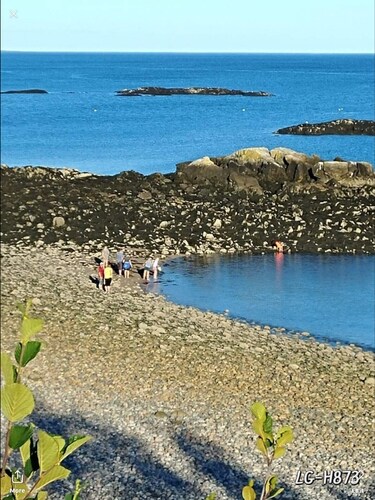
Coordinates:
(58, 222)
(145, 195)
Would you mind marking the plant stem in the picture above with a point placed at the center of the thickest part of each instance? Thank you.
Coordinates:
(7, 448)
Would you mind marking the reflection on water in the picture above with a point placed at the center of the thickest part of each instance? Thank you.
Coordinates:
(332, 297)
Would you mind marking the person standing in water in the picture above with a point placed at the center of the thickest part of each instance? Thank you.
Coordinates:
(155, 268)
(147, 268)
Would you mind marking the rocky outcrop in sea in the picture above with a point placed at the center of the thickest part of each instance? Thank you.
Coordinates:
(238, 203)
(163, 91)
(336, 127)
(26, 91)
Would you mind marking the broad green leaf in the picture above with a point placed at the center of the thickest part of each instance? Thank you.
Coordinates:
(259, 411)
(7, 368)
(29, 457)
(267, 425)
(69, 496)
(48, 451)
(57, 472)
(279, 452)
(284, 436)
(60, 442)
(261, 447)
(276, 493)
(74, 443)
(25, 452)
(248, 493)
(17, 401)
(20, 490)
(29, 328)
(30, 350)
(258, 428)
(6, 485)
(271, 484)
(211, 496)
(42, 495)
(19, 434)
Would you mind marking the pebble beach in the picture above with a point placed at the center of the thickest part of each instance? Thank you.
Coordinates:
(165, 390)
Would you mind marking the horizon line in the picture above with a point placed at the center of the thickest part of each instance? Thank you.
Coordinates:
(176, 52)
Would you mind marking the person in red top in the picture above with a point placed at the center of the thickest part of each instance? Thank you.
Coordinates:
(101, 275)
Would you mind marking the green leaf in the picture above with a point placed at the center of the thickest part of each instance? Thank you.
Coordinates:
(73, 444)
(261, 447)
(17, 401)
(42, 495)
(284, 436)
(211, 496)
(30, 350)
(279, 452)
(57, 472)
(258, 428)
(276, 493)
(248, 492)
(7, 368)
(267, 425)
(48, 451)
(29, 328)
(29, 457)
(19, 434)
(271, 484)
(6, 485)
(258, 410)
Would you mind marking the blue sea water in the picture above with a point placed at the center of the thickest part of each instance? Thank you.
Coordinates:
(81, 123)
(332, 297)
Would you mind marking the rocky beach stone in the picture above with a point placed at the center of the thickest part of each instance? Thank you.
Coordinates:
(162, 91)
(335, 127)
(165, 390)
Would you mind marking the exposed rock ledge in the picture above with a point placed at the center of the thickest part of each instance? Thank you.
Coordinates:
(189, 91)
(335, 127)
(238, 203)
(26, 91)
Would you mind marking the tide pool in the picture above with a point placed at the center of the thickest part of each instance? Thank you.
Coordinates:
(331, 297)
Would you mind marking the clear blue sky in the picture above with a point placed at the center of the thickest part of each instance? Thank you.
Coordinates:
(188, 25)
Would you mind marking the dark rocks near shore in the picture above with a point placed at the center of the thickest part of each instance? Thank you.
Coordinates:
(163, 91)
(26, 91)
(336, 127)
(238, 203)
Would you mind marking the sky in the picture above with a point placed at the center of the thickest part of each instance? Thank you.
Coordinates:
(312, 26)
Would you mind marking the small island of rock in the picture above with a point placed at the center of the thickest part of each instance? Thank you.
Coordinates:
(25, 91)
(335, 127)
(189, 91)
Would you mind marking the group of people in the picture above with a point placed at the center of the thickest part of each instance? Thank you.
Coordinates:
(124, 265)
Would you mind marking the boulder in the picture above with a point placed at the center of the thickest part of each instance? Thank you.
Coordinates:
(58, 222)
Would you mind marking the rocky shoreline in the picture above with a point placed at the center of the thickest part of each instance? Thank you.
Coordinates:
(165, 390)
(238, 203)
(335, 127)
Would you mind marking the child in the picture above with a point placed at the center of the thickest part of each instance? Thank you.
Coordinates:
(108, 278)
(126, 266)
(155, 268)
(101, 275)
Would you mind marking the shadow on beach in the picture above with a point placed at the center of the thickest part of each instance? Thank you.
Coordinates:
(116, 465)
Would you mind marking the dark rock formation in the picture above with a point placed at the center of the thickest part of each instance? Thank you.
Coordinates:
(238, 203)
(27, 91)
(259, 170)
(189, 91)
(336, 127)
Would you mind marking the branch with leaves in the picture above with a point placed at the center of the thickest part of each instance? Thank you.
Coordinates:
(41, 453)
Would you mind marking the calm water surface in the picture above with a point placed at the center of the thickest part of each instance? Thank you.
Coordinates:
(332, 297)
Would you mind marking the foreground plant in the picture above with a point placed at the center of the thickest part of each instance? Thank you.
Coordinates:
(272, 446)
(39, 452)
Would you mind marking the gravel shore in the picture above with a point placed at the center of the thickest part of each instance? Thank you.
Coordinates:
(165, 390)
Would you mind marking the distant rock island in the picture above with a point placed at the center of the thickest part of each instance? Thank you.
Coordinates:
(26, 91)
(336, 127)
(190, 91)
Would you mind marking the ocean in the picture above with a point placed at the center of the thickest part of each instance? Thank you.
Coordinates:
(82, 124)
